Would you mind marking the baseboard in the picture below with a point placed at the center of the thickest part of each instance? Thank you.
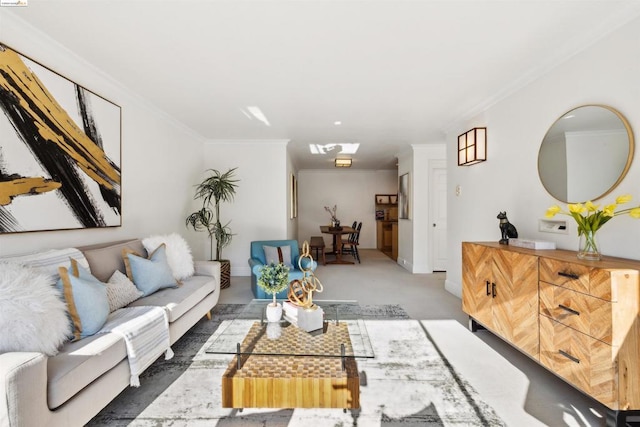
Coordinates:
(240, 271)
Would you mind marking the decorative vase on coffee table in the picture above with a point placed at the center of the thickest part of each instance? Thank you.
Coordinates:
(274, 312)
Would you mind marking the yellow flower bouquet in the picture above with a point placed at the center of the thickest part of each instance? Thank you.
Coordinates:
(590, 218)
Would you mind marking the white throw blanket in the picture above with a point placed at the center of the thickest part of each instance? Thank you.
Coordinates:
(146, 333)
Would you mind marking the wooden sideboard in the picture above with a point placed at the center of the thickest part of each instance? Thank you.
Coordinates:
(579, 319)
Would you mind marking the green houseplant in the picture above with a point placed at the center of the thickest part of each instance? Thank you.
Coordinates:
(216, 187)
(274, 278)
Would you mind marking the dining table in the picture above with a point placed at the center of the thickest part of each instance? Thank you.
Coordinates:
(337, 241)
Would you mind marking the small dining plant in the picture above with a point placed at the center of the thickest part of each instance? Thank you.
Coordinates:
(274, 278)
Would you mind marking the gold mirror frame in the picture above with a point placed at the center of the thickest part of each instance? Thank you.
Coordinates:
(545, 171)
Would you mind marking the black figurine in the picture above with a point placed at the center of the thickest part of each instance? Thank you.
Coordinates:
(507, 229)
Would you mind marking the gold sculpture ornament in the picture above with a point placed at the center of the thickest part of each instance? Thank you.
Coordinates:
(301, 291)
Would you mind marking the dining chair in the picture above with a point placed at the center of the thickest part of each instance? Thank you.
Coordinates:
(350, 236)
(351, 245)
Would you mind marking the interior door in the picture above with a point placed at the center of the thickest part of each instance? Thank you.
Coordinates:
(438, 214)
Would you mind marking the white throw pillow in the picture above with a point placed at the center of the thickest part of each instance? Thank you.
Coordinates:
(121, 291)
(178, 253)
(33, 314)
(47, 262)
(277, 255)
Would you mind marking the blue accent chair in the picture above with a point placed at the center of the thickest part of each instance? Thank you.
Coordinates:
(258, 260)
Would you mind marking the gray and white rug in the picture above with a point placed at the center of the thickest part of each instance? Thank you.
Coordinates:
(408, 383)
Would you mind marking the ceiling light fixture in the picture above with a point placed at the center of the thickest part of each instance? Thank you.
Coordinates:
(472, 147)
(343, 163)
(337, 123)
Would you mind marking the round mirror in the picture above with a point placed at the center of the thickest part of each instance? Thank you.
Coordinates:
(585, 154)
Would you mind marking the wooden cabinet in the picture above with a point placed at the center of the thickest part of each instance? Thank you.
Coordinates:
(387, 238)
(588, 313)
(387, 224)
(500, 291)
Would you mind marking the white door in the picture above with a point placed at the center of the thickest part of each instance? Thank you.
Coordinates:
(438, 214)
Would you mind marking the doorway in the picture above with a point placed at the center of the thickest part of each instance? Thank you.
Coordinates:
(437, 231)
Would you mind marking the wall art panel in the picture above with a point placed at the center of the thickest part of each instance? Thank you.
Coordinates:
(59, 151)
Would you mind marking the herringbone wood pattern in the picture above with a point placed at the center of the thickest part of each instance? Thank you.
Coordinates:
(594, 345)
(587, 314)
(587, 363)
(562, 273)
(500, 290)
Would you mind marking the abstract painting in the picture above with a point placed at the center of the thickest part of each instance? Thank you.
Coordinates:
(59, 151)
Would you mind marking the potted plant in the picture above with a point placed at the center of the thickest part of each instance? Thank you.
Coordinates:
(216, 187)
(274, 278)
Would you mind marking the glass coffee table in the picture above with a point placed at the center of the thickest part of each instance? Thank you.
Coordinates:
(278, 365)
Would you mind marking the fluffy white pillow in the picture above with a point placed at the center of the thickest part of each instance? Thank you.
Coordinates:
(121, 291)
(33, 315)
(178, 253)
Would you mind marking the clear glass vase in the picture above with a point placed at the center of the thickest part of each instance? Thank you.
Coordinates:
(588, 246)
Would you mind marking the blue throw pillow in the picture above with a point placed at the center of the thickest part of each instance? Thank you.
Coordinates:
(149, 275)
(82, 273)
(86, 300)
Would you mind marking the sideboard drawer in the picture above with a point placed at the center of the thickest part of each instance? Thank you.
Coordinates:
(589, 315)
(585, 362)
(567, 274)
(579, 277)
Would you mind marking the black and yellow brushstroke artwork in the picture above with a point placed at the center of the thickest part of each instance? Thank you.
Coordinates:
(59, 145)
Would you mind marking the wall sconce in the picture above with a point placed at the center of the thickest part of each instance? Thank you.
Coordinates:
(472, 147)
(343, 163)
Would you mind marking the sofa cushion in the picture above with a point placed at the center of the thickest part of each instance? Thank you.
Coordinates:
(121, 291)
(178, 253)
(152, 274)
(33, 316)
(105, 258)
(86, 299)
(47, 262)
(180, 300)
(79, 363)
(277, 255)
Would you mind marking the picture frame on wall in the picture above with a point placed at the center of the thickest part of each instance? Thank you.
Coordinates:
(294, 197)
(60, 151)
(393, 199)
(403, 196)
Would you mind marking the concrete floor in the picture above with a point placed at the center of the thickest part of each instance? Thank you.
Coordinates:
(518, 388)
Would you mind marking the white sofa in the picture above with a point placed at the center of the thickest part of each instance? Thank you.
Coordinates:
(72, 387)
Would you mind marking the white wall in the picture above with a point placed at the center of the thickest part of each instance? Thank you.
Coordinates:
(414, 232)
(605, 73)
(353, 191)
(260, 210)
(158, 155)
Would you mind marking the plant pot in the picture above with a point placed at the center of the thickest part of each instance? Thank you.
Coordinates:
(225, 273)
(274, 312)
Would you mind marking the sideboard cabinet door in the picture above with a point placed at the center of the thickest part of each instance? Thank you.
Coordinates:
(500, 291)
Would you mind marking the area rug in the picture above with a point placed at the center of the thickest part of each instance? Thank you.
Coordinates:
(408, 383)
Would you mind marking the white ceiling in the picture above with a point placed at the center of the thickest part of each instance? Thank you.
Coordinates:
(393, 72)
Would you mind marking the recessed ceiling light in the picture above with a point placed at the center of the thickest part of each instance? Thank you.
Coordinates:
(343, 163)
(337, 123)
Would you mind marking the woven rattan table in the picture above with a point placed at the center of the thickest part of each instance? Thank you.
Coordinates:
(278, 365)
